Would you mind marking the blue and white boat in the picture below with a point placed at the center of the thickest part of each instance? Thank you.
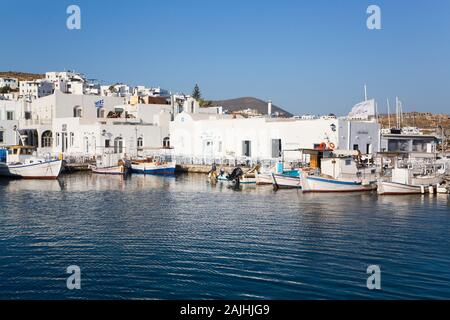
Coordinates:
(340, 173)
(153, 167)
(19, 162)
(312, 183)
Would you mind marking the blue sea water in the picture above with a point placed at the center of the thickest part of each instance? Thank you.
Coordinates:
(148, 237)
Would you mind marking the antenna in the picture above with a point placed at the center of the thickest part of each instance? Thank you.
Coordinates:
(389, 113)
(399, 111)
(376, 111)
(365, 92)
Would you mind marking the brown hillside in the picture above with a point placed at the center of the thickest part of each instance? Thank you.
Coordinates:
(21, 76)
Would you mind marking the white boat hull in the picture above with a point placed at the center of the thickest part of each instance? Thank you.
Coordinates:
(38, 170)
(263, 178)
(284, 181)
(243, 180)
(320, 184)
(393, 188)
(109, 170)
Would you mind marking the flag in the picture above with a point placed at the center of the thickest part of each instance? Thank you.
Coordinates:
(363, 110)
(99, 103)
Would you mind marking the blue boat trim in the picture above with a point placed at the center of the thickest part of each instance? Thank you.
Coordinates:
(31, 164)
(348, 183)
(155, 171)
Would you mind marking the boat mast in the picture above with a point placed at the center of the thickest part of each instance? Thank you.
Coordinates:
(389, 113)
(21, 138)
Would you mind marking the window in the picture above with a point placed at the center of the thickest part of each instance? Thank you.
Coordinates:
(107, 143)
(247, 148)
(46, 139)
(348, 162)
(9, 115)
(57, 139)
(77, 112)
(166, 142)
(368, 148)
(276, 148)
(355, 147)
(118, 145)
(27, 115)
(100, 113)
(1, 137)
(86, 144)
(72, 139)
(140, 142)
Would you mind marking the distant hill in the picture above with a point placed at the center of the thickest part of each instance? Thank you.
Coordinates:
(21, 76)
(423, 120)
(238, 104)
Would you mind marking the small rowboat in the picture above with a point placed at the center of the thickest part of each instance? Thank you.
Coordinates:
(286, 181)
(109, 170)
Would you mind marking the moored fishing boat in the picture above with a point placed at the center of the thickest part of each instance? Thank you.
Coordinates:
(339, 171)
(153, 166)
(120, 169)
(394, 188)
(286, 180)
(248, 177)
(110, 164)
(20, 163)
(312, 183)
(404, 181)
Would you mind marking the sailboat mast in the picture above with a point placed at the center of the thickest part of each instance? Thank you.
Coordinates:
(389, 113)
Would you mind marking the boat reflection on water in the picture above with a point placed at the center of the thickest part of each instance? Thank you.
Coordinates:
(17, 185)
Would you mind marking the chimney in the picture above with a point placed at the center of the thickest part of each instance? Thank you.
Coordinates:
(269, 108)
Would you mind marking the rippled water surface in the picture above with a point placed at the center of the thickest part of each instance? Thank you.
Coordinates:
(182, 238)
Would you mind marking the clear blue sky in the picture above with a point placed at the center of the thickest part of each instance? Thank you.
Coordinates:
(307, 56)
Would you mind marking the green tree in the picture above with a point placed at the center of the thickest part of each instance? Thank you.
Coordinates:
(5, 89)
(196, 93)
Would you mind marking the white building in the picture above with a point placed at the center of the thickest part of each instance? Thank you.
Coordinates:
(90, 125)
(189, 105)
(116, 90)
(72, 82)
(34, 89)
(13, 83)
(221, 136)
(10, 113)
(142, 91)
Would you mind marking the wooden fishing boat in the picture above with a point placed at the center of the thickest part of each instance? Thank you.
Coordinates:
(153, 166)
(339, 171)
(117, 170)
(20, 163)
(286, 181)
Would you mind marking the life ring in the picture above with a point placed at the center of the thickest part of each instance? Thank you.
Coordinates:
(332, 146)
(323, 146)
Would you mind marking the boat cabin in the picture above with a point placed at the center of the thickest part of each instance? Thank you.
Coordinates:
(19, 154)
(339, 164)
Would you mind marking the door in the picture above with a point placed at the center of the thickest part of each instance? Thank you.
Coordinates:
(276, 148)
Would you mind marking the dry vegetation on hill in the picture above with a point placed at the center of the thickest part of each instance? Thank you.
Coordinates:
(21, 76)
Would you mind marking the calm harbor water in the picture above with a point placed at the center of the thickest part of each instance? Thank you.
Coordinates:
(183, 238)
